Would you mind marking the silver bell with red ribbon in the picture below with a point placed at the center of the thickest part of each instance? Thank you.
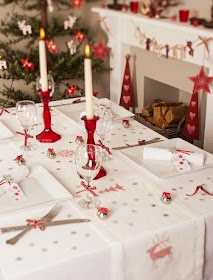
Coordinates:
(126, 123)
(51, 153)
(20, 160)
(79, 140)
(103, 213)
(166, 198)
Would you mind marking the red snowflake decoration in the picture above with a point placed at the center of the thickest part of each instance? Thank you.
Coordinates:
(71, 91)
(76, 3)
(66, 153)
(26, 64)
(113, 189)
(80, 36)
(100, 50)
(51, 46)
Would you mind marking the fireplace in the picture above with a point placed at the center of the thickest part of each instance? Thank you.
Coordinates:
(149, 68)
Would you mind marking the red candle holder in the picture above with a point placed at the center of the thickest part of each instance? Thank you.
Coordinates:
(183, 15)
(47, 135)
(90, 125)
(134, 6)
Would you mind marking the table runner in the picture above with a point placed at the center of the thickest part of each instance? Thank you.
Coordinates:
(137, 218)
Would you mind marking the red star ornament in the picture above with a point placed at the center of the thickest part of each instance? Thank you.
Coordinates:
(201, 81)
(100, 50)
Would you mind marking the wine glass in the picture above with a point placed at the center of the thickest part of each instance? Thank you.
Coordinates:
(103, 128)
(26, 114)
(88, 159)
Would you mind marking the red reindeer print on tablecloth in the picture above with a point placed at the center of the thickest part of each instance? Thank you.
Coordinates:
(160, 250)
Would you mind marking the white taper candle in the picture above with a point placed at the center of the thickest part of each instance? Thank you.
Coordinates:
(88, 83)
(43, 61)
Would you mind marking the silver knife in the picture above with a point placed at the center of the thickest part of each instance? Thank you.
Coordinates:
(48, 224)
(74, 102)
(155, 140)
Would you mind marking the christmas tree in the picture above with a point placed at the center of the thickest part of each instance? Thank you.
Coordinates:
(19, 59)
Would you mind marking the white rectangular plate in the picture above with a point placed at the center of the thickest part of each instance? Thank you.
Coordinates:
(164, 169)
(40, 188)
(74, 110)
(5, 133)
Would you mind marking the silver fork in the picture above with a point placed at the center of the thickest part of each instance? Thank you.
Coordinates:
(48, 217)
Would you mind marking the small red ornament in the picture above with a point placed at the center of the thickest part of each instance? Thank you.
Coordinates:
(126, 99)
(166, 197)
(148, 44)
(201, 81)
(71, 91)
(95, 93)
(26, 64)
(100, 50)
(76, 3)
(195, 23)
(80, 36)
(51, 46)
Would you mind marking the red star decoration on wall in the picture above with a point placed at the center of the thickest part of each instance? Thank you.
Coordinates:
(100, 50)
(201, 81)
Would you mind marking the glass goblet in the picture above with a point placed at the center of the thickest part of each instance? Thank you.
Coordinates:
(103, 128)
(26, 114)
(88, 159)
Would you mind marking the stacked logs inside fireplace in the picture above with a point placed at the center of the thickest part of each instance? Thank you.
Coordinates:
(165, 115)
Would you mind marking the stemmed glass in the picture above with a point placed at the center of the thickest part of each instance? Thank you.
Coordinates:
(26, 114)
(88, 159)
(103, 127)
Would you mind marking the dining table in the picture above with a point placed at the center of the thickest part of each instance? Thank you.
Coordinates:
(141, 238)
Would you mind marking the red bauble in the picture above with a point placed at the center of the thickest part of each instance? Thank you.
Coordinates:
(76, 3)
(100, 50)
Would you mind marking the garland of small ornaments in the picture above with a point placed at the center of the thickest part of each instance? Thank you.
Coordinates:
(178, 51)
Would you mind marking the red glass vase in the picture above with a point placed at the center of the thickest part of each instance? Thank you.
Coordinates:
(47, 135)
(90, 125)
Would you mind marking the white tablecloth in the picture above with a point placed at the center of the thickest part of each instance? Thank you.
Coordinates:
(113, 249)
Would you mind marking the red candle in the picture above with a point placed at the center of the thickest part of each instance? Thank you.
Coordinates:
(183, 15)
(134, 6)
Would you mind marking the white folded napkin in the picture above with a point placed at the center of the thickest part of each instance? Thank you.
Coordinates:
(5, 132)
(153, 153)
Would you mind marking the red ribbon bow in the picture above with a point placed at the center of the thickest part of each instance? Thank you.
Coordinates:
(103, 210)
(20, 157)
(104, 147)
(36, 223)
(200, 187)
(166, 194)
(80, 138)
(88, 188)
(26, 136)
(126, 121)
(50, 150)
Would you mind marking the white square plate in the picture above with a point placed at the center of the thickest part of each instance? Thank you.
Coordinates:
(74, 110)
(5, 133)
(40, 187)
(165, 169)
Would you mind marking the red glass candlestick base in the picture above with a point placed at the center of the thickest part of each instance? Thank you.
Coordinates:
(47, 135)
(90, 126)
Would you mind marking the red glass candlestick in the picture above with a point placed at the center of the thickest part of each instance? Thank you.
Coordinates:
(183, 15)
(90, 126)
(134, 6)
(47, 135)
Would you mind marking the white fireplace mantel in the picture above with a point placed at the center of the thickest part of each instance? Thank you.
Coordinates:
(121, 30)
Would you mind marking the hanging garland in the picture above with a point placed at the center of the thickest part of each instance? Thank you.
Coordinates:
(178, 51)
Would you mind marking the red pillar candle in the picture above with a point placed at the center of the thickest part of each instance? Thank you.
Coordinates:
(134, 6)
(183, 15)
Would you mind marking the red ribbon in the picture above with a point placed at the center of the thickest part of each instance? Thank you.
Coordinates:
(205, 41)
(184, 152)
(26, 136)
(20, 157)
(103, 210)
(104, 147)
(6, 111)
(88, 188)
(166, 194)
(36, 223)
(79, 138)
(200, 187)
(125, 121)
(50, 150)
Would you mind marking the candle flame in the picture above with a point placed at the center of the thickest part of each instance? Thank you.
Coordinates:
(42, 33)
(87, 50)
